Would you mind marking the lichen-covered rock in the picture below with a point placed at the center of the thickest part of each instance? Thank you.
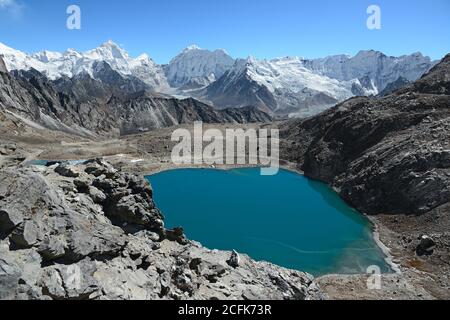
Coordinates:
(100, 236)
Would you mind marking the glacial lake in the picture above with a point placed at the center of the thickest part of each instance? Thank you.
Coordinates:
(285, 219)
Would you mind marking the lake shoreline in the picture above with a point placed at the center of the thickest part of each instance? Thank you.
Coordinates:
(408, 285)
(147, 167)
(319, 198)
(292, 167)
(336, 286)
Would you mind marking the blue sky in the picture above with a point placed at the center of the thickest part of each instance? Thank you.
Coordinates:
(262, 28)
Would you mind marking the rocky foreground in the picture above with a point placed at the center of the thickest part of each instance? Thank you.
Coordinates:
(92, 232)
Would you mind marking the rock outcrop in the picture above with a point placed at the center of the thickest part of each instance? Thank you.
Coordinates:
(3, 66)
(385, 155)
(144, 111)
(394, 86)
(92, 232)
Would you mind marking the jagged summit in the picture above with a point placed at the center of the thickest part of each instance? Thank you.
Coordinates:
(195, 67)
(144, 57)
(107, 51)
(192, 47)
(109, 43)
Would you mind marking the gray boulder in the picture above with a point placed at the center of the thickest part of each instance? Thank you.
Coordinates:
(234, 259)
(9, 219)
(426, 246)
(66, 171)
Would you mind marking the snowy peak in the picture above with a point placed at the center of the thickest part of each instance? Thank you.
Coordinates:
(108, 51)
(110, 45)
(72, 63)
(300, 87)
(18, 60)
(47, 56)
(195, 67)
(369, 54)
(282, 85)
(145, 58)
(380, 68)
(5, 50)
(192, 47)
(289, 74)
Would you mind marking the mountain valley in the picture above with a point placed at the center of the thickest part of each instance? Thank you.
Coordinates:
(375, 129)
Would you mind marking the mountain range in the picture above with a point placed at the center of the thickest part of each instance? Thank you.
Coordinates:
(103, 103)
(289, 86)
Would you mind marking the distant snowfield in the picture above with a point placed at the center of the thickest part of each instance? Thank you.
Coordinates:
(290, 73)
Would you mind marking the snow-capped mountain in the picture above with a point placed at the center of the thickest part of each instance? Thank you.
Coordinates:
(18, 60)
(283, 86)
(378, 67)
(195, 67)
(71, 63)
(302, 87)
(290, 85)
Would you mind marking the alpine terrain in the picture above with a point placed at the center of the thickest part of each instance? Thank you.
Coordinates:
(289, 86)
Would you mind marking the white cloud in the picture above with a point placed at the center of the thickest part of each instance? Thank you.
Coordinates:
(7, 3)
(12, 7)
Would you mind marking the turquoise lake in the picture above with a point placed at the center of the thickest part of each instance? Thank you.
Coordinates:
(285, 219)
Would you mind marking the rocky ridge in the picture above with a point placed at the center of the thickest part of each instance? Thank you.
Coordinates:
(144, 111)
(377, 67)
(386, 155)
(92, 232)
(398, 84)
(116, 105)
